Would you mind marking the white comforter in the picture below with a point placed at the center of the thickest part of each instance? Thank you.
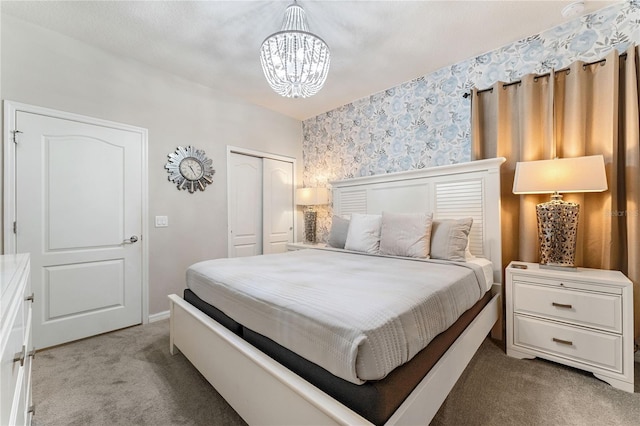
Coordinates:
(357, 316)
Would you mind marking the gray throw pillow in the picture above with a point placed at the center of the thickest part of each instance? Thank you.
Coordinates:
(449, 238)
(338, 232)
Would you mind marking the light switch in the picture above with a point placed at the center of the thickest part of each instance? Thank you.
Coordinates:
(162, 221)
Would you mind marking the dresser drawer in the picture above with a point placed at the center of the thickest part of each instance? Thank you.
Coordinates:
(9, 369)
(12, 289)
(594, 348)
(596, 310)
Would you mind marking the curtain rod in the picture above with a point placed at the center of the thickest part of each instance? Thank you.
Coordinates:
(490, 89)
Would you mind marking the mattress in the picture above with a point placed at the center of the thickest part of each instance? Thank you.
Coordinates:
(487, 270)
(358, 317)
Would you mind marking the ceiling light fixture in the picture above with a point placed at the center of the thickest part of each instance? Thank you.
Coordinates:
(295, 62)
(573, 9)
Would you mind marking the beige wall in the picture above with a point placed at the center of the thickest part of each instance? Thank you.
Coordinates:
(46, 69)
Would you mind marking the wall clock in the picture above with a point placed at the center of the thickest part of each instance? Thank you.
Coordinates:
(190, 169)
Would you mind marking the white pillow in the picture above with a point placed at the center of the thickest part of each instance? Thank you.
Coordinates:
(449, 238)
(364, 233)
(407, 235)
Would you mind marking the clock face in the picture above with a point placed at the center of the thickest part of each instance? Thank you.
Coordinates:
(190, 169)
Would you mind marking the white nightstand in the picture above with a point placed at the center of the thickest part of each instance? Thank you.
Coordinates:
(583, 319)
(302, 246)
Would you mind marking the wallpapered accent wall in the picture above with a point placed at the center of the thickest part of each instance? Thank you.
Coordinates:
(426, 122)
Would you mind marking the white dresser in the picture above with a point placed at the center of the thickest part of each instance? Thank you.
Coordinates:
(583, 319)
(17, 351)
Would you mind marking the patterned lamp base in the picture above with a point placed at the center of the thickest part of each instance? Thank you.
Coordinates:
(557, 231)
(310, 226)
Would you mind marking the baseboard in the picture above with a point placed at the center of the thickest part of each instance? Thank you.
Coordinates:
(159, 316)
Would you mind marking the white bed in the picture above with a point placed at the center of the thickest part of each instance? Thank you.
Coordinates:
(264, 392)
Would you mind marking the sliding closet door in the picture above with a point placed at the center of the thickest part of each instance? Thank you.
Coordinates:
(245, 205)
(261, 211)
(277, 205)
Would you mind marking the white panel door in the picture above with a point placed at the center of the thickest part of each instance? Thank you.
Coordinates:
(245, 205)
(278, 205)
(78, 209)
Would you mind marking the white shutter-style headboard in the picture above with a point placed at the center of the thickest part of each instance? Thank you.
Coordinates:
(450, 192)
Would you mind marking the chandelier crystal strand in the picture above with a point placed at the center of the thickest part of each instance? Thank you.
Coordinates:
(295, 62)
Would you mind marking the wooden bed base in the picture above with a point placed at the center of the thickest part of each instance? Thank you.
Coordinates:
(264, 392)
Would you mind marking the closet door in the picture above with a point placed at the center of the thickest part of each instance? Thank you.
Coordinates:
(245, 205)
(261, 210)
(277, 205)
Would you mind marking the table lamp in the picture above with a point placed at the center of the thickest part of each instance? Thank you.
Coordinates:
(557, 219)
(311, 197)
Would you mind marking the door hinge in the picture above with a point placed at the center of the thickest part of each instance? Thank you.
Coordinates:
(15, 227)
(15, 133)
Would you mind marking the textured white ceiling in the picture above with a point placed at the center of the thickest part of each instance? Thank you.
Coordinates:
(374, 45)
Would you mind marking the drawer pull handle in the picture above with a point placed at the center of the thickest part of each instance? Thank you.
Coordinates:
(32, 410)
(26, 299)
(564, 342)
(20, 356)
(561, 305)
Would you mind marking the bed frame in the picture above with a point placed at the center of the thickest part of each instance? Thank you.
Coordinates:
(264, 392)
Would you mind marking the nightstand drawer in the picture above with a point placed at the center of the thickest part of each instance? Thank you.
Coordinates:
(569, 284)
(597, 310)
(600, 350)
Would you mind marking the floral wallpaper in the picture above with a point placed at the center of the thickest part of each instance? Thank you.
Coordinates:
(426, 121)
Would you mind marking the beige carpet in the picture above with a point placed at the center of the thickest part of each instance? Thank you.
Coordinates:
(128, 377)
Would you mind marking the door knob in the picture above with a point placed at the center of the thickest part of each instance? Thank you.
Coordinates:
(131, 240)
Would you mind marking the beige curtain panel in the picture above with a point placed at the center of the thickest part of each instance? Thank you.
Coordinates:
(587, 109)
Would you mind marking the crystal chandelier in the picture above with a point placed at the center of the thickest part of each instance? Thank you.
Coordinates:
(295, 61)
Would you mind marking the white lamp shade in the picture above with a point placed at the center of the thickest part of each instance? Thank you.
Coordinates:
(312, 196)
(580, 174)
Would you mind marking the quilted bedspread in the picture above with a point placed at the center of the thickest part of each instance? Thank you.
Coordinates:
(357, 316)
